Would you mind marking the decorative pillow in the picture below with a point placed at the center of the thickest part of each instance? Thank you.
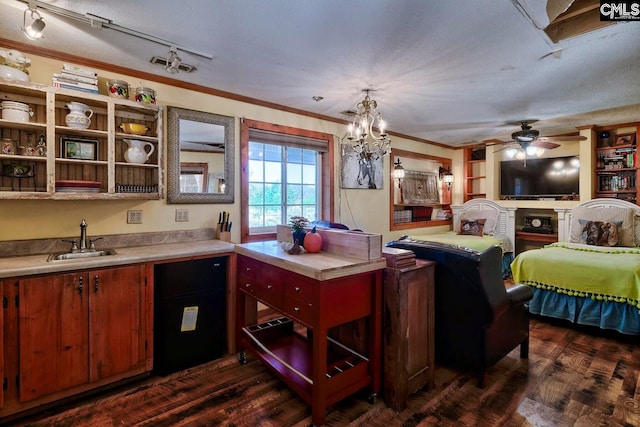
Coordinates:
(472, 228)
(600, 233)
(490, 217)
(625, 216)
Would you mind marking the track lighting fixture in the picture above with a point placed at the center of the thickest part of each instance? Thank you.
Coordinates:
(173, 61)
(34, 30)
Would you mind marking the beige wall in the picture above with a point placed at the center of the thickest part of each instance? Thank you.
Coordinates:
(364, 209)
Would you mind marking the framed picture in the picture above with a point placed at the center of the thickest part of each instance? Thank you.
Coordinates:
(420, 187)
(78, 148)
(626, 139)
(360, 172)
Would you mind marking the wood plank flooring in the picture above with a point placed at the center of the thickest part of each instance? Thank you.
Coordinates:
(573, 377)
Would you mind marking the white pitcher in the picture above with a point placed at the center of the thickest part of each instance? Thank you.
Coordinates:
(137, 153)
(80, 115)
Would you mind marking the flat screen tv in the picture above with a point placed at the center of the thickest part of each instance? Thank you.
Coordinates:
(553, 177)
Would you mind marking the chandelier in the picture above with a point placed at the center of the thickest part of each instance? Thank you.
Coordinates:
(366, 143)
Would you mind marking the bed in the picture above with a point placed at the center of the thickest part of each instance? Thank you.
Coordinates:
(591, 276)
(498, 229)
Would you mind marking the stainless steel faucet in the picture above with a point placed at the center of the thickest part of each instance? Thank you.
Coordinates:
(83, 235)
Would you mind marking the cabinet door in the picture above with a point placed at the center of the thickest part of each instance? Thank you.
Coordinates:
(2, 374)
(53, 339)
(116, 321)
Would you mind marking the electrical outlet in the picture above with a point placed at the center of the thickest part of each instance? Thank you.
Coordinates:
(134, 217)
(182, 215)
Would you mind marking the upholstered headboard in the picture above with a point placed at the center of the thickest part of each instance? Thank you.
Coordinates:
(565, 215)
(505, 222)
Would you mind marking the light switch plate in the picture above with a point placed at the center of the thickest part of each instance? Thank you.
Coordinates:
(134, 217)
(182, 215)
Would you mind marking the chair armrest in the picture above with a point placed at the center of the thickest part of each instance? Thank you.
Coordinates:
(519, 294)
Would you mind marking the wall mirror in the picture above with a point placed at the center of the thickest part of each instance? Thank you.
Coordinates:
(200, 151)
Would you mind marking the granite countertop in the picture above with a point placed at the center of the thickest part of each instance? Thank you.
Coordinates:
(319, 266)
(27, 265)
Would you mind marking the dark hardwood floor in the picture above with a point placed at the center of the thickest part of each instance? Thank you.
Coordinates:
(573, 377)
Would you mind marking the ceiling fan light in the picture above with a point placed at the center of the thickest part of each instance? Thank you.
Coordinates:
(539, 152)
(531, 150)
(521, 155)
(511, 152)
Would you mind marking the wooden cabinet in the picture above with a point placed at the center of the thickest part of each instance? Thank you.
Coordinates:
(474, 173)
(80, 328)
(93, 155)
(408, 329)
(318, 367)
(2, 361)
(616, 170)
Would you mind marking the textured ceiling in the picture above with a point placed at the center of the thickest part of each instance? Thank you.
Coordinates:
(445, 71)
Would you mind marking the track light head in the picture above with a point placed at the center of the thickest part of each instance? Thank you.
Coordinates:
(34, 30)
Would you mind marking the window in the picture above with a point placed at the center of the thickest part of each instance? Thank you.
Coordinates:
(285, 172)
(283, 182)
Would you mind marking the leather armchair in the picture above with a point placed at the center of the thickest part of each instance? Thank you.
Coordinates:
(477, 320)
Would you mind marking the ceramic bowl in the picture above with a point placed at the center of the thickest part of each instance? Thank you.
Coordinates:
(11, 73)
(134, 128)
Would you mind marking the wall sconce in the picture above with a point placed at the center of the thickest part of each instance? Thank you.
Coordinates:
(398, 174)
(34, 30)
(446, 176)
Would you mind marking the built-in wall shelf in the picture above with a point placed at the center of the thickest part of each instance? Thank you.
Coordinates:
(474, 173)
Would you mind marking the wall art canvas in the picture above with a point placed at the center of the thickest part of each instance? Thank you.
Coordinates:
(420, 187)
(360, 172)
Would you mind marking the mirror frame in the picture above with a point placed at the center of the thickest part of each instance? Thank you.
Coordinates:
(174, 115)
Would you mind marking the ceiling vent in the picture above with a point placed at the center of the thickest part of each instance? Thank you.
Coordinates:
(182, 67)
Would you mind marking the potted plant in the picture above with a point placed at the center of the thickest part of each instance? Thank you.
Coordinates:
(298, 224)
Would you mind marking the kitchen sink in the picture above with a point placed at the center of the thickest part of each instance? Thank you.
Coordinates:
(81, 255)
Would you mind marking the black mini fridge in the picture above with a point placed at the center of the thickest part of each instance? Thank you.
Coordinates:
(189, 313)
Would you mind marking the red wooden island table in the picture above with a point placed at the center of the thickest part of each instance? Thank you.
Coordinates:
(314, 295)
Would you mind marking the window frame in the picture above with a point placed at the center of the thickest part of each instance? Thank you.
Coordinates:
(326, 173)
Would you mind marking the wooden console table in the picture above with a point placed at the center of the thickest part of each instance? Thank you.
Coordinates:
(317, 291)
(408, 329)
(539, 238)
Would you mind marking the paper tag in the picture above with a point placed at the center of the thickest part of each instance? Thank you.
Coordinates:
(189, 319)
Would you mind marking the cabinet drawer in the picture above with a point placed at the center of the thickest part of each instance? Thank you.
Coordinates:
(296, 287)
(299, 310)
(269, 292)
(247, 269)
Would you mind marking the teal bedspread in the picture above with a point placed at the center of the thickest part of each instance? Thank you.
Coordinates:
(600, 273)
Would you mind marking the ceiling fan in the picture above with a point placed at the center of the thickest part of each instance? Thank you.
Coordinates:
(529, 142)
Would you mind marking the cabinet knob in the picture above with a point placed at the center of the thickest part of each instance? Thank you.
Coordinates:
(297, 288)
(80, 285)
(296, 309)
(269, 286)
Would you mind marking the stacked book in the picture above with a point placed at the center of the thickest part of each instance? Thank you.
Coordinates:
(77, 78)
(402, 216)
(398, 258)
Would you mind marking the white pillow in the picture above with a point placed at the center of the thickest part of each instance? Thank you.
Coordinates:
(490, 217)
(626, 215)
